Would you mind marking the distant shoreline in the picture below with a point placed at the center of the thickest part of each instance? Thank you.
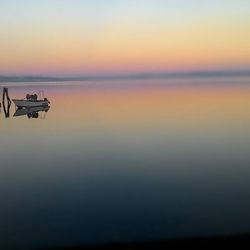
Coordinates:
(142, 76)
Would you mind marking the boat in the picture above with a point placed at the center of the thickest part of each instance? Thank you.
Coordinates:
(31, 112)
(28, 103)
(31, 101)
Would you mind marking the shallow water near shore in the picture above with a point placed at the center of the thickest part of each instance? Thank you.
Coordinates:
(126, 161)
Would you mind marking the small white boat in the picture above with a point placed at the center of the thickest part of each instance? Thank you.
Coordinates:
(32, 110)
(31, 101)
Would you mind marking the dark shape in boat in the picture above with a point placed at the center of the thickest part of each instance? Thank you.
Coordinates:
(31, 112)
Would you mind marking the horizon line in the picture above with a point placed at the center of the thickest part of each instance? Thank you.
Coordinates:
(129, 76)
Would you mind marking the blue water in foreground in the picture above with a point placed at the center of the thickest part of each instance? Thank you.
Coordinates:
(122, 162)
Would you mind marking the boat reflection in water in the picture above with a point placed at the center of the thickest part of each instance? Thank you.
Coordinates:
(32, 112)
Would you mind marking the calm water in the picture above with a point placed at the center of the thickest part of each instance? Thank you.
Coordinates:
(126, 161)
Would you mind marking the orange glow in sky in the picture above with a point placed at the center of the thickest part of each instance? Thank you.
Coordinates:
(86, 37)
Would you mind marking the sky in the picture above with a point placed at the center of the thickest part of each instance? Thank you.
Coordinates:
(105, 37)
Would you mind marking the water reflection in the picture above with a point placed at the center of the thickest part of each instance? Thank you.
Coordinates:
(6, 102)
(32, 112)
(123, 164)
(6, 109)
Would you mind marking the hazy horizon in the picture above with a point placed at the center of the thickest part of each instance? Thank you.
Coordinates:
(139, 76)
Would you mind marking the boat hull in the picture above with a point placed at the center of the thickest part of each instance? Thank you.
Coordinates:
(30, 104)
(26, 111)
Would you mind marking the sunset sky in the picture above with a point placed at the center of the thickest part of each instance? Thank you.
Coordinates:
(95, 37)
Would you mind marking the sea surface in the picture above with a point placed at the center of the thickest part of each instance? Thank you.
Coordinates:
(125, 161)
